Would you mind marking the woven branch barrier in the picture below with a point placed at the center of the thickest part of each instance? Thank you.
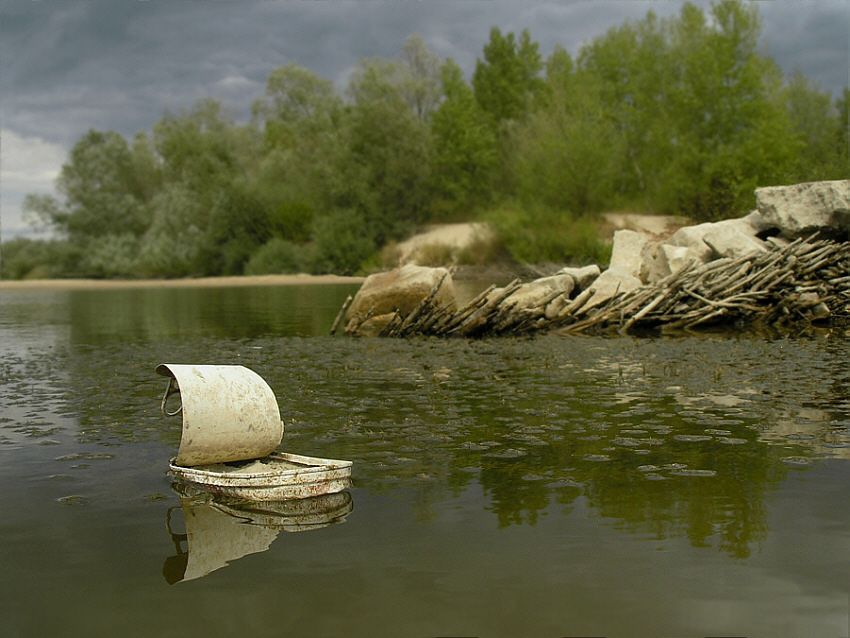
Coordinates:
(807, 280)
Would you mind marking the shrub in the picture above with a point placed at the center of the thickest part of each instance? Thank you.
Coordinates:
(24, 258)
(536, 234)
(111, 256)
(278, 256)
(341, 243)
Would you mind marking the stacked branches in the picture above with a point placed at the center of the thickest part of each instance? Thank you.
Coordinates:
(807, 280)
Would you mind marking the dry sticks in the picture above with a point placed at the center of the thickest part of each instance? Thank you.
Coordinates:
(805, 280)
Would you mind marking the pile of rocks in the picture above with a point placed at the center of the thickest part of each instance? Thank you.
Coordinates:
(788, 259)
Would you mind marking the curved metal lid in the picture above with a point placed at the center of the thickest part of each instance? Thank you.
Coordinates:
(229, 413)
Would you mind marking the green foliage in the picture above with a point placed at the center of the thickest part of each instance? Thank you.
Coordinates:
(39, 259)
(341, 243)
(279, 256)
(569, 154)
(103, 194)
(842, 105)
(111, 256)
(815, 121)
(466, 151)
(393, 147)
(420, 85)
(680, 115)
(535, 233)
(508, 76)
(175, 243)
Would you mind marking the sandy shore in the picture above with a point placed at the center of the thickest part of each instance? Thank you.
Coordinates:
(201, 282)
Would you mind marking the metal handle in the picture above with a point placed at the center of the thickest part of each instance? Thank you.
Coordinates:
(171, 388)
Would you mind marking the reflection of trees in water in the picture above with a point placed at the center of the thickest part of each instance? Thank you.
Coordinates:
(150, 314)
(537, 423)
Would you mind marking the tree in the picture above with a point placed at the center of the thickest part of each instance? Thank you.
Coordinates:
(100, 188)
(700, 110)
(298, 174)
(630, 67)
(569, 154)
(466, 150)
(842, 105)
(732, 130)
(204, 148)
(175, 244)
(508, 77)
(815, 122)
(420, 84)
(392, 147)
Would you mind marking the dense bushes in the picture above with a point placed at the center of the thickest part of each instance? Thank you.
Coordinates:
(680, 116)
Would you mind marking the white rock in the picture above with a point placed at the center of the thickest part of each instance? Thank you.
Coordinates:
(534, 292)
(584, 276)
(801, 209)
(610, 283)
(627, 254)
(757, 222)
(672, 259)
(691, 237)
(733, 238)
(400, 289)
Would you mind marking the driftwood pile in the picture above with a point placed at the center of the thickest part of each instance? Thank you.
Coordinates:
(807, 280)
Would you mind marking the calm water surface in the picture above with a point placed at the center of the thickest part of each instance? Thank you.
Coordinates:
(546, 486)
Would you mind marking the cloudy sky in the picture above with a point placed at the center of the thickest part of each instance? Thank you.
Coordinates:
(70, 65)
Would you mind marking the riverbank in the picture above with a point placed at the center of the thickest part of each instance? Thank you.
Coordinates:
(199, 282)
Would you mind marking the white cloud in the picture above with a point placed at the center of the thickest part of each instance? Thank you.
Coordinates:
(29, 162)
(28, 165)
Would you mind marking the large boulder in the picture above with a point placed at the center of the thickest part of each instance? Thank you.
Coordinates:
(627, 253)
(584, 276)
(708, 241)
(534, 293)
(668, 260)
(402, 290)
(802, 209)
(733, 238)
(610, 283)
(692, 237)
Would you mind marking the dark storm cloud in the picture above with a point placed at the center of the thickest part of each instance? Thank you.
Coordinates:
(813, 37)
(67, 66)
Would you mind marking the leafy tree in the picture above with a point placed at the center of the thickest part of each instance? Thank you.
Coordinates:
(279, 256)
(203, 148)
(392, 147)
(842, 105)
(24, 258)
(630, 68)
(239, 225)
(466, 150)
(295, 95)
(700, 110)
(175, 244)
(100, 188)
(342, 243)
(112, 255)
(568, 155)
(732, 132)
(420, 82)
(508, 76)
(814, 120)
(207, 157)
(302, 171)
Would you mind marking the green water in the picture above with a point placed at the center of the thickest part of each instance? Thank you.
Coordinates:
(545, 486)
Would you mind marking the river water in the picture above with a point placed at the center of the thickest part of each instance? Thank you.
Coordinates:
(543, 486)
